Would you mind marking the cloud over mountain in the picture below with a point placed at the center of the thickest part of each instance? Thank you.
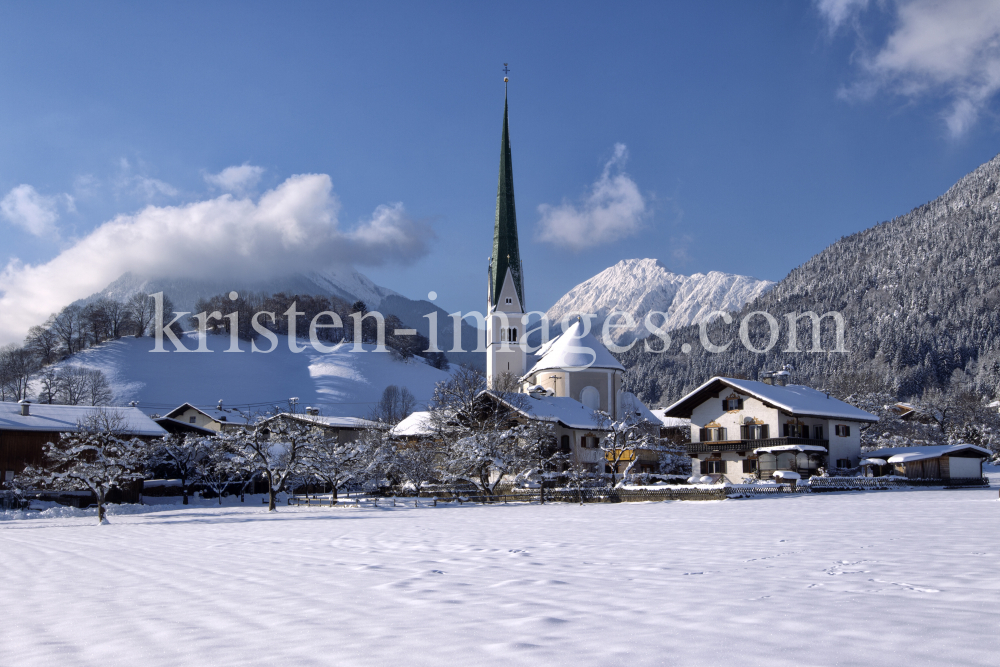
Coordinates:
(613, 209)
(293, 227)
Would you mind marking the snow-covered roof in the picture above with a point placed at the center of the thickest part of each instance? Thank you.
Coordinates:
(567, 411)
(872, 462)
(793, 399)
(416, 425)
(330, 422)
(168, 423)
(629, 401)
(789, 448)
(903, 454)
(221, 415)
(670, 422)
(66, 418)
(786, 474)
(573, 351)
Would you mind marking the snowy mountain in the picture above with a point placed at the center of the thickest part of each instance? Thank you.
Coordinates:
(919, 295)
(340, 383)
(345, 283)
(639, 286)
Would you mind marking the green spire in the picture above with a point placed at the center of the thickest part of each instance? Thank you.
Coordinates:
(505, 252)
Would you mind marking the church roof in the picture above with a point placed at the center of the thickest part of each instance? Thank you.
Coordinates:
(574, 350)
(505, 251)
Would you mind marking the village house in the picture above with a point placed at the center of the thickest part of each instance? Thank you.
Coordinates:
(217, 419)
(344, 429)
(26, 427)
(744, 429)
(945, 462)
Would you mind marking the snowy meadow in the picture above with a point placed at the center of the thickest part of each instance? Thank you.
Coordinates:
(883, 578)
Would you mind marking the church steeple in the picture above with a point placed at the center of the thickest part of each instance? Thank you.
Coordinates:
(505, 251)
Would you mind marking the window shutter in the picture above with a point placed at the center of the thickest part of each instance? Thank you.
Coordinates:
(847, 431)
(722, 434)
(724, 405)
(764, 432)
(704, 467)
(786, 430)
(739, 404)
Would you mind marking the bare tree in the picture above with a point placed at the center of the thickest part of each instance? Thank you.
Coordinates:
(73, 382)
(142, 310)
(624, 439)
(66, 325)
(17, 367)
(184, 456)
(477, 430)
(43, 342)
(101, 456)
(273, 448)
(49, 386)
(96, 388)
(395, 405)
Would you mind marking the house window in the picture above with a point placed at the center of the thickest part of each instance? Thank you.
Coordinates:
(192, 420)
(564, 444)
(818, 431)
(732, 404)
(754, 432)
(588, 441)
(796, 431)
(713, 434)
(716, 467)
(842, 431)
(509, 300)
(843, 463)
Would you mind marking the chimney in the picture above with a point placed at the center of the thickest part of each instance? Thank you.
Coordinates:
(312, 412)
(767, 377)
(781, 378)
(25, 407)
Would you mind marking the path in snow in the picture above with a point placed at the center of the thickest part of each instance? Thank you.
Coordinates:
(887, 578)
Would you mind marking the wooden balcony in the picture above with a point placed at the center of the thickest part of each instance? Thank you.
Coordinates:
(750, 445)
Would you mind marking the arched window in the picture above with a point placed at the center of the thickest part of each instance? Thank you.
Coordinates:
(591, 398)
(513, 335)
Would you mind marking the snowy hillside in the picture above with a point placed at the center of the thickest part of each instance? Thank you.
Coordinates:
(341, 383)
(642, 285)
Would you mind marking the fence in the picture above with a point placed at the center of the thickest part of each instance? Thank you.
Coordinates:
(462, 495)
(821, 484)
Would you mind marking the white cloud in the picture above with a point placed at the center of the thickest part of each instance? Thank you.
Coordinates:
(291, 228)
(34, 212)
(141, 185)
(951, 49)
(837, 12)
(613, 209)
(237, 180)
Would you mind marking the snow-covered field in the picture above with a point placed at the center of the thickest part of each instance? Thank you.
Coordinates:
(878, 578)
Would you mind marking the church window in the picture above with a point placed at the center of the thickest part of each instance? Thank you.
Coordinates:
(591, 397)
(513, 335)
(510, 300)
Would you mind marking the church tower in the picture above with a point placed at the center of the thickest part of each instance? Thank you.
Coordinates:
(505, 307)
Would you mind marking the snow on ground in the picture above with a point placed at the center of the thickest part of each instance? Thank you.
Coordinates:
(881, 578)
(341, 383)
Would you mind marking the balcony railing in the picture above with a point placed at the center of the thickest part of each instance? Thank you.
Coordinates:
(750, 445)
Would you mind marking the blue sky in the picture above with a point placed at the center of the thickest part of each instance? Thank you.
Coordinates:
(731, 136)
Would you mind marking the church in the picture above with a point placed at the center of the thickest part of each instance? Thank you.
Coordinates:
(574, 364)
